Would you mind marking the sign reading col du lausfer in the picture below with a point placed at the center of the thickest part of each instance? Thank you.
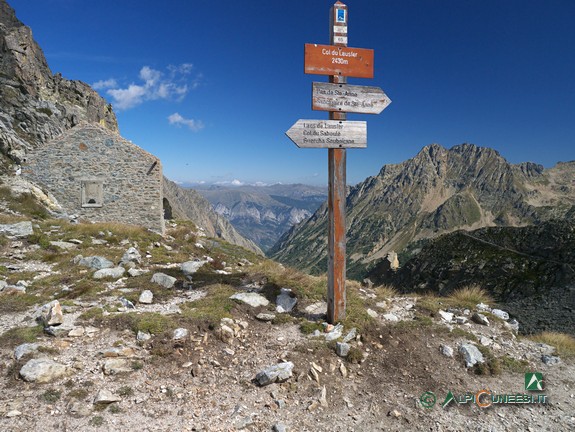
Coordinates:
(337, 60)
(329, 134)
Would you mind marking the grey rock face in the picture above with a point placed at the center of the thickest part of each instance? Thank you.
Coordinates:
(36, 104)
(446, 350)
(191, 267)
(266, 317)
(180, 334)
(480, 319)
(20, 229)
(50, 314)
(115, 366)
(285, 301)
(276, 373)
(43, 371)
(164, 280)
(105, 397)
(25, 349)
(132, 255)
(253, 299)
(146, 297)
(342, 349)
(94, 262)
(471, 354)
(550, 360)
(116, 272)
(500, 314)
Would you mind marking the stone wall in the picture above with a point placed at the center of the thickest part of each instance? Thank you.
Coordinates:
(96, 174)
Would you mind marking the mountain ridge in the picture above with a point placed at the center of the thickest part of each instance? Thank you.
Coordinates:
(437, 191)
(264, 213)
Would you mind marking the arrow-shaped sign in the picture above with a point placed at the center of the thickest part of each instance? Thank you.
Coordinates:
(348, 98)
(328, 134)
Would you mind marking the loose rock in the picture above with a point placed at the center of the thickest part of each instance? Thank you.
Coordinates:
(480, 319)
(43, 371)
(277, 373)
(471, 354)
(115, 273)
(253, 299)
(146, 297)
(163, 279)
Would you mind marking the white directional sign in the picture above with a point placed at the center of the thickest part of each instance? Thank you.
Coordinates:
(348, 98)
(329, 134)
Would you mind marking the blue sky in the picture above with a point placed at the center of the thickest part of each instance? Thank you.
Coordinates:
(211, 87)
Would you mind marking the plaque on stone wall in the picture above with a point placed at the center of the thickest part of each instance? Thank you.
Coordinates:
(92, 193)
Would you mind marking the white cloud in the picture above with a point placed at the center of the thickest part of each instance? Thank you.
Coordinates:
(129, 97)
(105, 84)
(153, 85)
(234, 182)
(177, 120)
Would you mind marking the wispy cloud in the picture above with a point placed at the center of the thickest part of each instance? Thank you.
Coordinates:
(105, 84)
(177, 120)
(173, 84)
(234, 182)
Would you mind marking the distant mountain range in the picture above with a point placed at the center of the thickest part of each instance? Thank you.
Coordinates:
(438, 191)
(263, 213)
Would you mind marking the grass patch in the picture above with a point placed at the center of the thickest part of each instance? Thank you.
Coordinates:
(308, 327)
(386, 292)
(460, 333)
(97, 421)
(282, 318)
(94, 313)
(51, 396)
(306, 288)
(511, 364)
(213, 307)
(356, 309)
(149, 322)
(79, 394)
(15, 301)
(430, 303)
(137, 365)
(125, 391)
(469, 297)
(491, 365)
(25, 204)
(564, 344)
(355, 355)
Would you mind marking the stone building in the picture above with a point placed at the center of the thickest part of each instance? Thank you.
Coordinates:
(96, 174)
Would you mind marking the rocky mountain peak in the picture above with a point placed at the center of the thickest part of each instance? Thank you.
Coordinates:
(37, 106)
(435, 192)
(22, 58)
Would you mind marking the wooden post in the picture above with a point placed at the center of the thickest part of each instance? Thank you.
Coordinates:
(336, 296)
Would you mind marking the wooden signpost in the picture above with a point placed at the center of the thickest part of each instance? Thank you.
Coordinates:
(336, 134)
(329, 134)
(348, 98)
(338, 60)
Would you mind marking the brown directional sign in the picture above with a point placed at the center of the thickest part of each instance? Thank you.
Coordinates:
(338, 60)
(329, 134)
(348, 98)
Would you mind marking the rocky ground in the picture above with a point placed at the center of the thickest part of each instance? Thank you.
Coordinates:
(80, 353)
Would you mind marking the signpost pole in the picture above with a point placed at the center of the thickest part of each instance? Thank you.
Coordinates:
(336, 295)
